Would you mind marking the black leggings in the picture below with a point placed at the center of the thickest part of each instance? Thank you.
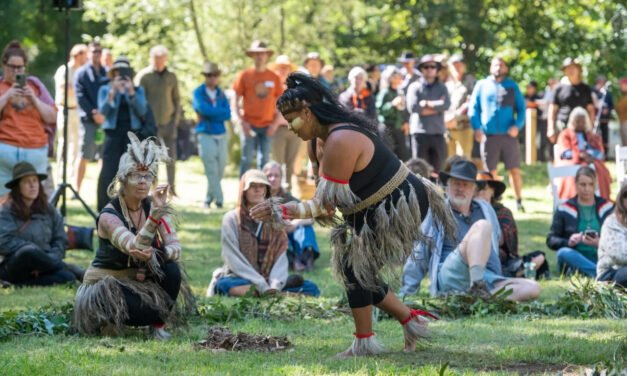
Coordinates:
(140, 314)
(358, 296)
(18, 269)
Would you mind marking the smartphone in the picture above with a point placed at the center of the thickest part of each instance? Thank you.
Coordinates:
(591, 234)
(20, 79)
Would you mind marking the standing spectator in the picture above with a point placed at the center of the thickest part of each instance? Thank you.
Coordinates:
(533, 99)
(497, 114)
(410, 75)
(576, 225)
(162, 93)
(313, 65)
(579, 145)
(456, 117)
(374, 77)
(427, 100)
(328, 73)
(612, 264)
(87, 82)
(621, 110)
(286, 144)
(26, 109)
(357, 97)
(545, 152)
(106, 59)
(212, 110)
(32, 240)
(604, 107)
(570, 93)
(258, 88)
(78, 58)
(123, 106)
(390, 106)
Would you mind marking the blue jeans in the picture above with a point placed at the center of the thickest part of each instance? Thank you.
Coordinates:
(571, 258)
(225, 284)
(10, 155)
(213, 152)
(303, 237)
(261, 143)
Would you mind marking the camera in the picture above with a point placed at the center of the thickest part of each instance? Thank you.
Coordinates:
(20, 79)
(125, 73)
(591, 234)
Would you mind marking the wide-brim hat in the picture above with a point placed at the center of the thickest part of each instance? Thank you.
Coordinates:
(406, 56)
(22, 169)
(429, 59)
(254, 176)
(456, 58)
(210, 68)
(570, 61)
(498, 186)
(313, 56)
(462, 170)
(258, 46)
(121, 64)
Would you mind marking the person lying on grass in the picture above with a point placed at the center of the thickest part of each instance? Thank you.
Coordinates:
(468, 263)
(135, 278)
(254, 253)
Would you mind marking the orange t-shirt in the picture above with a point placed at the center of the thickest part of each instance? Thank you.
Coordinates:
(21, 124)
(259, 90)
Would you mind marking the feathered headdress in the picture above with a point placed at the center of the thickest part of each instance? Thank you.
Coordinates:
(140, 156)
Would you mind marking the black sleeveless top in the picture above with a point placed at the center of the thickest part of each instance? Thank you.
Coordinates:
(109, 257)
(381, 168)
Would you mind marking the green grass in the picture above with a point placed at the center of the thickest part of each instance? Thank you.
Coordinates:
(493, 345)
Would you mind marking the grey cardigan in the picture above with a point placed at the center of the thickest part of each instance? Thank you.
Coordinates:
(236, 264)
(44, 232)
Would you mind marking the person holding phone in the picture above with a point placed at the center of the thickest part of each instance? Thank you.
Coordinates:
(26, 110)
(576, 225)
(123, 105)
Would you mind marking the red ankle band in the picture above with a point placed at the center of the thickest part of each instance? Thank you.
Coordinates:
(158, 326)
(418, 312)
(362, 336)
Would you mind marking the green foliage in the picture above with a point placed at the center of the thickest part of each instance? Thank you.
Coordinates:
(48, 320)
(588, 299)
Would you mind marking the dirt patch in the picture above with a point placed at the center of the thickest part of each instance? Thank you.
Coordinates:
(222, 339)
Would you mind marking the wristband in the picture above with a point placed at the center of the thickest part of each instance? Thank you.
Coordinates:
(284, 210)
(153, 220)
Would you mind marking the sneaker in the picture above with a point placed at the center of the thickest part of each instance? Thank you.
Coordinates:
(479, 289)
(519, 206)
(219, 205)
(5, 284)
(207, 204)
(161, 334)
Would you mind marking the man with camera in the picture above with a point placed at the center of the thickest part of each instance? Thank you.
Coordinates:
(88, 80)
(576, 225)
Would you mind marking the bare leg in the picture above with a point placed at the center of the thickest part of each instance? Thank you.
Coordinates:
(392, 305)
(80, 173)
(414, 329)
(239, 290)
(515, 180)
(475, 247)
(522, 289)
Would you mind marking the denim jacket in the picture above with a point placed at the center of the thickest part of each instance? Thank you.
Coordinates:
(138, 106)
(425, 259)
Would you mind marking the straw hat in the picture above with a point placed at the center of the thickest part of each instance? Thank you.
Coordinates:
(258, 46)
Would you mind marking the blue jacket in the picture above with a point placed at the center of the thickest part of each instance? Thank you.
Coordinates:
(86, 87)
(496, 106)
(138, 106)
(425, 258)
(211, 115)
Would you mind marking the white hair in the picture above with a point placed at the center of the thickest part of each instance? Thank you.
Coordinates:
(579, 112)
(356, 71)
(158, 50)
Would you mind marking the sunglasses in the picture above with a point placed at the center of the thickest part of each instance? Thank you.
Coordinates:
(428, 67)
(211, 74)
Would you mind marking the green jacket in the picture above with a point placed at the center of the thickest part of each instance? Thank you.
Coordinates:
(388, 114)
(162, 93)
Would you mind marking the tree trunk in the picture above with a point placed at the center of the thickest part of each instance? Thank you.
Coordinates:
(201, 43)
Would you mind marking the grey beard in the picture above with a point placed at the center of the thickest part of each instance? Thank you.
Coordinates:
(459, 202)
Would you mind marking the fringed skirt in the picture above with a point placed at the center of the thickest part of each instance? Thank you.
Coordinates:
(374, 243)
(100, 300)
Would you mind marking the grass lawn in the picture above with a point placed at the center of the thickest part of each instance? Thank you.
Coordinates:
(495, 345)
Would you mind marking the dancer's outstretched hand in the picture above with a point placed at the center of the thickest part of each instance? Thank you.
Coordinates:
(160, 196)
(262, 212)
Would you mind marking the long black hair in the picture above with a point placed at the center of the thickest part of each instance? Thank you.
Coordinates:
(302, 88)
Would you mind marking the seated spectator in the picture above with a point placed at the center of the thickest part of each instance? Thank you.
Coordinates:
(302, 248)
(511, 263)
(612, 264)
(419, 166)
(470, 262)
(27, 115)
(357, 97)
(32, 239)
(576, 225)
(135, 278)
(254, 253)
(579, 145)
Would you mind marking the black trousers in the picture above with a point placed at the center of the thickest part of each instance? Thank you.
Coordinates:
(142, 315)
(430, 147)
(358, 296)
(115, 144)
(619, 276)
(19, 266)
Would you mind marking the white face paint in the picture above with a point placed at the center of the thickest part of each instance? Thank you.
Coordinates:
(296, 124)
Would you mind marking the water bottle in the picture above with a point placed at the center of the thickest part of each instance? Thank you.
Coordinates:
(530, 270)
